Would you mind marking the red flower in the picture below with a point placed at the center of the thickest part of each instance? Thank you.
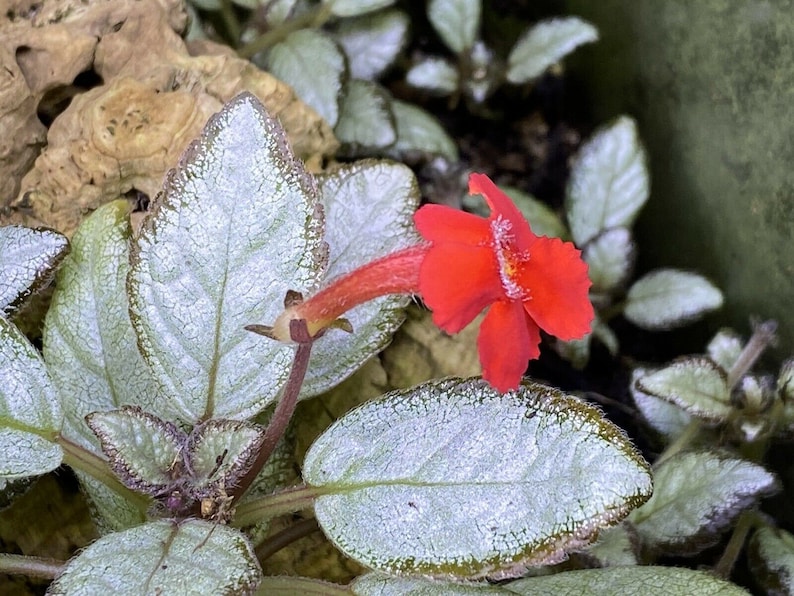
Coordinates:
(527, 282)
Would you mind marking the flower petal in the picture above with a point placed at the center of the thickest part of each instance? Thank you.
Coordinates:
(457, 282)
(502, 206)
(557, 281)
(508, 340)
(439, 223)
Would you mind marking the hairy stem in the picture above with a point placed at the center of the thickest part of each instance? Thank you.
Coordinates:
(38, 567)
(81, 459)
(313, 18)
(286, 406)
(287, 536)
(747, 520)
(763, 336)
(281, 502)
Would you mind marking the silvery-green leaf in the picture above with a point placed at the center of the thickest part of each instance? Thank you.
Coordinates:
(369, 210)
(89, 345)
(694, 383)
(278, 11)
(110, 511)
(667, 298)
(380, 584)
(610, 259)
(163, 557)
(30, 412)
(372, 42)
(457, 22)
(352, 8)
(697, 496)
(27, 259)
(545, 44)
(785, 380)
(615, 547)
(771, 554)
(634, 580)
(142, 450)
(220, 451)
(365, 120)
(249, 4)
(725, 347)
(542, 219)
(603, 333)
(237, 226)
(666, 418)
(419, 134)
(313, 65)
(609, 182)
(575, 351)
(497, 481)
(433, 74)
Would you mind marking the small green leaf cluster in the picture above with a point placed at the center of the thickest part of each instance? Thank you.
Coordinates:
(607, 188)
(475, 72)
(171, 413)
(718, 417)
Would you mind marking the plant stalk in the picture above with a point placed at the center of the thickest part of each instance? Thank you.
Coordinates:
(313, 18)
(38, 567)
(282, 502)
(285, 537)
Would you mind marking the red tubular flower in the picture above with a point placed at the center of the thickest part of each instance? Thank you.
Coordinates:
(468, 264)
(527, 282)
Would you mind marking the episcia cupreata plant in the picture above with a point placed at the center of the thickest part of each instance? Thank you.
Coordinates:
(171, 412)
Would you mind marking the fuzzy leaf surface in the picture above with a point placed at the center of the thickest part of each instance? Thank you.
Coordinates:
(697, 496)
(627, 581)
(372, 42)
(314, 66)
(724, 348)
(771, 554)
(433, 74)
(365, 120)
(89, 344)
(452, 479)
(609, 182)
(610, 259)
(30, 412)
(237, 227)
(694, 384)
(664, 417)
(545, 44)
(668, 298)
(380, 584)
(141, 448)
(457, 22)
(27, 259)
(163, 557)
(352, 8)
(369, 209)
(419, 134)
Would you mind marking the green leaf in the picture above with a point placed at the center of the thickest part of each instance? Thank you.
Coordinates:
(457, 22)
(542, 219)
(771, 554)
(351, 8)
(693, 383)
(380, 584)
(27, 259)
(142, 450)
(372, 42)
(238, 225)
(545, 44)
(89, 344)
(278, 11)
(724, 348)
(365, 120)
(163, 557)
(666, 418)
(314, 66)
(434, 74)
(419, 134)
(369, 209)
(110, 511)
(609, 182)
(610, 259)
(30, 412)
(530, 475)
(616, 546)
(667, 298)
(627, 581)
(696, 497)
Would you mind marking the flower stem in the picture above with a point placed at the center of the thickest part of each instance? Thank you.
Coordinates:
(747, 520)
(38, 567)
(285, 408)
(79, 458)
(763, 336)
(281, 502)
